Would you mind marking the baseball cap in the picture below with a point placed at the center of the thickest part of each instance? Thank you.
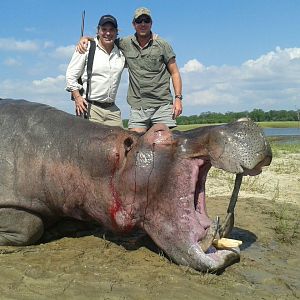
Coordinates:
(108, 18)
(141, 11)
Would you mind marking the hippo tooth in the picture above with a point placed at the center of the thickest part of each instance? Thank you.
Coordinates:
(225, 243)
(210, 236)
(229, 220)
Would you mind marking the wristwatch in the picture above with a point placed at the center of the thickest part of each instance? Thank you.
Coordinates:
(179, 97)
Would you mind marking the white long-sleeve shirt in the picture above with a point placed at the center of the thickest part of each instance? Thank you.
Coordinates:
(106, 73)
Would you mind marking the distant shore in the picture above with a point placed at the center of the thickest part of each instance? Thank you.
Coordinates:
(271, 124)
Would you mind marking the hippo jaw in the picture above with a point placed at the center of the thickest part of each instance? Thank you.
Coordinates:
(184, 231)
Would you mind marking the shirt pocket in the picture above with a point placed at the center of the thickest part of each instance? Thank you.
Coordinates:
(153, 61)
(132, 59)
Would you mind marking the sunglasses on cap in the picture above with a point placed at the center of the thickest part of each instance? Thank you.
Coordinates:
(140, 20)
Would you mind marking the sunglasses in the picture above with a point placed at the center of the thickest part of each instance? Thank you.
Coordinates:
(145, 20)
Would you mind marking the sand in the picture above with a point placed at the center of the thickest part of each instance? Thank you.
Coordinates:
(89, 265)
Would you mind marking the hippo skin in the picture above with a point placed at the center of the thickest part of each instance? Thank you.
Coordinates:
(55, 165)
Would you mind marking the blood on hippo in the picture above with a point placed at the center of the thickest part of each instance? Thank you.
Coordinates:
(121, 220)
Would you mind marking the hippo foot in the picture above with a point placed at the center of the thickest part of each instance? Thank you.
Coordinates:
(19, 228)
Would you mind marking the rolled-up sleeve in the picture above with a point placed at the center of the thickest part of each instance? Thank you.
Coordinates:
(75, 69)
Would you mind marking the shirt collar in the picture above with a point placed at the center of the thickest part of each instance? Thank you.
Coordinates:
(115, 49)
(134, 39)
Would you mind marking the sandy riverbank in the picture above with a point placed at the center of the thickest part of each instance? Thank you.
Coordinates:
(91, 267)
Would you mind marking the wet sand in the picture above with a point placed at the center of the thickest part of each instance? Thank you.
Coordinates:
(91, 265)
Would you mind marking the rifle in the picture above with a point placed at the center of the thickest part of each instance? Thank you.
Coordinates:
(89, 68)
(81, 35)
(84, 115)
(82, 23)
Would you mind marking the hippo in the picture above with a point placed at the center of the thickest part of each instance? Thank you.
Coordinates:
(55, 165)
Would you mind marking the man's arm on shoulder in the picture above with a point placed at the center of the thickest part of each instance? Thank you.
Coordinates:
(83, 43)
(177, 85)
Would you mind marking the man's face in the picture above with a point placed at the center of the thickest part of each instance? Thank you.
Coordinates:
(142, 25)
(107, 33)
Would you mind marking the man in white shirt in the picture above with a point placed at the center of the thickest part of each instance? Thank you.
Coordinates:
(107, 68)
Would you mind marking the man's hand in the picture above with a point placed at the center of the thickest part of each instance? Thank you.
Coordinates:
(80, 105)
(177, 108)
(82, 45)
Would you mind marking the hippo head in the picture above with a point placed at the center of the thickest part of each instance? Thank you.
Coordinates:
(163, 182)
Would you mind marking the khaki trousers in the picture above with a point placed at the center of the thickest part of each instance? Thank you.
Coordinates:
(110, 116)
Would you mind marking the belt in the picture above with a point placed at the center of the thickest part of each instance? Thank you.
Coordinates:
(101, 104)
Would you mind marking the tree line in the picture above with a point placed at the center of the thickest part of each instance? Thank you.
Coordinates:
(257, 115)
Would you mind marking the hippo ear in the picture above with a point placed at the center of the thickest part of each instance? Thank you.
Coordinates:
(128, 142)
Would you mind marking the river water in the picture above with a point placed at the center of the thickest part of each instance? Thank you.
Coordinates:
(282, 131)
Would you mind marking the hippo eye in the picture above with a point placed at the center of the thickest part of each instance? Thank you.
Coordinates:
(128, 144)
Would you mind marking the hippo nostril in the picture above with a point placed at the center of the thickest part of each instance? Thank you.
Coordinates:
(128, 144)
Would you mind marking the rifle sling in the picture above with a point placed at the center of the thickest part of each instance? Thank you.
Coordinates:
(90, 67)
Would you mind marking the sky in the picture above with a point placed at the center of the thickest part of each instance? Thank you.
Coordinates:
(233, 55)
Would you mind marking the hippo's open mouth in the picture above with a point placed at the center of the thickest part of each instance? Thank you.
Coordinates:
(209, 230)
(197, 163)
(205, 230)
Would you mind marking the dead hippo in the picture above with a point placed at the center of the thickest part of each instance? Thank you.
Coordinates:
(53, 165)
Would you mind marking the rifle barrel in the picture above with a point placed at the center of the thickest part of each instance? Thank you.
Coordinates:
(82, 23)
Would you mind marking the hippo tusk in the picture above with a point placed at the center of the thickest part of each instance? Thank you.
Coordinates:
(229, 220)
(225, 243)
(211, 234)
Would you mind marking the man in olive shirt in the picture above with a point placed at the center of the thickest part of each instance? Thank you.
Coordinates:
(151, 62)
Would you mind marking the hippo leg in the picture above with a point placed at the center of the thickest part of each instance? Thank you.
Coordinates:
(19, 227)
(229, 220)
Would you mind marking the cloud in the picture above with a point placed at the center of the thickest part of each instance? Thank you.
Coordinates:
(272, 81)
(63, 68)
(63, 52)
(30, 29)
(11, 44)
(12, 62)
(48, 44)
(26, 88)
(49, 90)
(192, 66)
(49, 85)
(274, 58)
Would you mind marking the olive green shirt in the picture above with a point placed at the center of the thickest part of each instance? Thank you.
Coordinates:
(149, 78)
